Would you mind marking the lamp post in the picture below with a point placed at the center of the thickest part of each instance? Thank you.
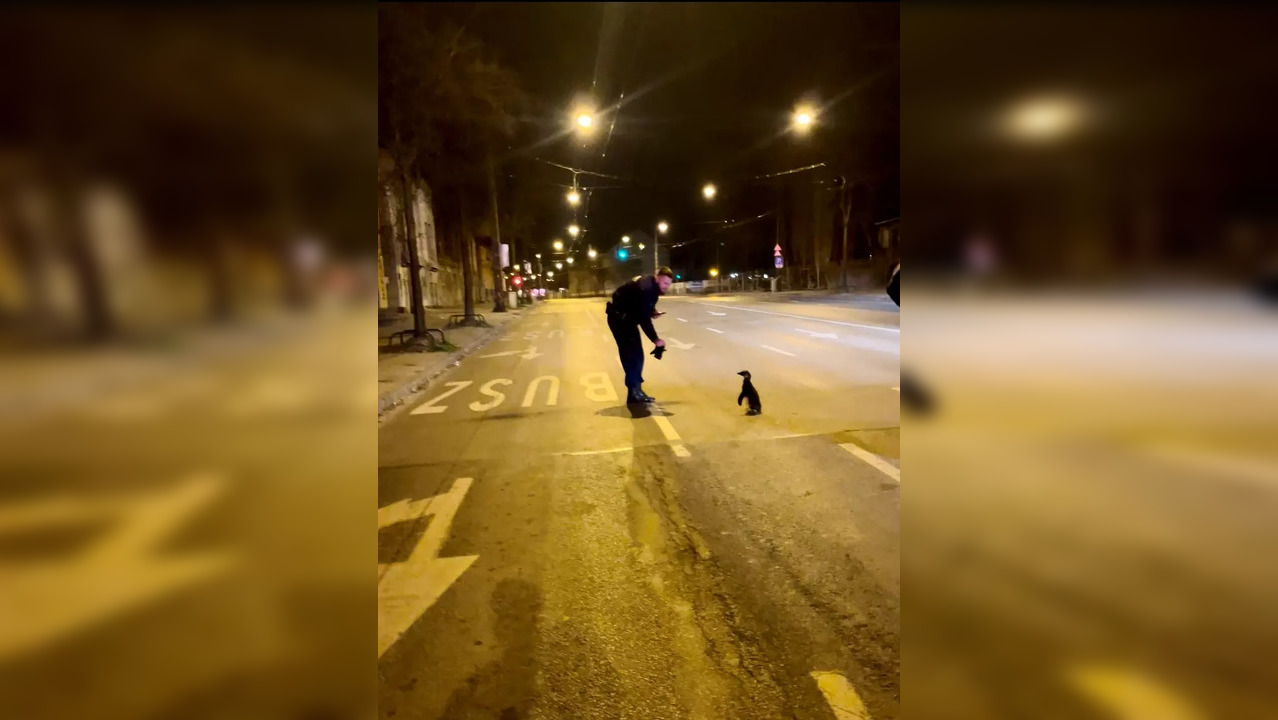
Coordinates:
(662, 227)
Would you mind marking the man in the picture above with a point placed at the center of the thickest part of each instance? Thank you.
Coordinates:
(633, 306)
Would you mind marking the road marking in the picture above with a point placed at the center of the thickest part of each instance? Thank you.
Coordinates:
(681, 320)
(769, 347)
(598, 387)
(406, 590)
(488, 389)
(870, 458)
(553, 394)
(671, 435)
(715, 313)
(528, 354)
(678, 345)
(828, 336)
(715, 331)
(841, 696)
(600, 452)
(815, 319)
(51, 600)
(430, 408)
(1129, 694)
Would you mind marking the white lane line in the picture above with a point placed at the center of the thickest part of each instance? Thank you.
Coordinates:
(870, 458)
(1129, 694)
(828, 336)
(715, 313)
(610, 451)
(815, 319)
(715, 331)
(841, 696)
(769, 347)
(681, 320)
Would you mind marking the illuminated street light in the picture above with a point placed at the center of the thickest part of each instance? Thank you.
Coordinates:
(559, 245)
(569, 261)
(625, 239)
(559, 266)
(550, 273)
(538, 256)
(662, 227)
(585, 121)
(573, 230)
(709, 191)
(804, 117)
(640, 246)
(574, 197)
(714, 272)
(1044, 118)
(592, 253)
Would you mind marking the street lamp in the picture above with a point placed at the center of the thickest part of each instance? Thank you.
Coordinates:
(804, 117)
(1044, 118)
(559, 246)
(538, 256)
(662, 227)
(573, 230)
(709, 191)
(714, 272)
(574, 197)
(585, 121)
(641, 246)
(625, 239)
(591, 252)
(559, 266)
(569, 261)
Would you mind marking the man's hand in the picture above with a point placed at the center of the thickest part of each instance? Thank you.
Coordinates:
(660, 343)
(656, 314)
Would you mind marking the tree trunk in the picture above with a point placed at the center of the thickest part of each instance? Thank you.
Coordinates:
(468, 259)
(499, 297)
(414, 262)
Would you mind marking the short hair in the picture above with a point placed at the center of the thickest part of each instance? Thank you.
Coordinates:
(663, 270)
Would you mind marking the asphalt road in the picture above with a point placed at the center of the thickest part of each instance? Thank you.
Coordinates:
(546, 553)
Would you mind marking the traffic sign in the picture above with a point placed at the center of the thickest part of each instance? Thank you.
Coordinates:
(776, 251)
(779, 261)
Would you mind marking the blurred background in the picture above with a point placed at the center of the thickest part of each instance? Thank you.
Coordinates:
(1091, 260)
(187, 413)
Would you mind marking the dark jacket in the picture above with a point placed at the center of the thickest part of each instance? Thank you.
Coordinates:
(634, 303)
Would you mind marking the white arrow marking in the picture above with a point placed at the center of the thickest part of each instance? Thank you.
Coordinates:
(679, 345)
(830, 336)
(841, 696)
(406, 590)
(528, 354)
(1130, 695)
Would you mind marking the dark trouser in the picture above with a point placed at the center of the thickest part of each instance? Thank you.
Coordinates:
(630, 348)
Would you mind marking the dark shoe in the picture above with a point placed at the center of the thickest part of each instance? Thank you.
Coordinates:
(645, 397)
(634, 398)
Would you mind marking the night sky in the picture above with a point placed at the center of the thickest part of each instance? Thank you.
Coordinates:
(709, 90)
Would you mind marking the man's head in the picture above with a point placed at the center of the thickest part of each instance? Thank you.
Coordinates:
(665, 277)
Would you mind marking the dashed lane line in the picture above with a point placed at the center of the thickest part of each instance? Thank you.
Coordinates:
(873, 460)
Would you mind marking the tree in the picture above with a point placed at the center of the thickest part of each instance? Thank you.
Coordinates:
(444, 109)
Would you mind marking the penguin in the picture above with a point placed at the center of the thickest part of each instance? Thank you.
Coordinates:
(749, 393)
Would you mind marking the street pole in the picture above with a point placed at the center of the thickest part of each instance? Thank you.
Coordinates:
(656, 257)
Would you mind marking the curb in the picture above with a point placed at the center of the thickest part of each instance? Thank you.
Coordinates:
(393, 398)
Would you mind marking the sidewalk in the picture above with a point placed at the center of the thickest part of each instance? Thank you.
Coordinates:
(400, 374)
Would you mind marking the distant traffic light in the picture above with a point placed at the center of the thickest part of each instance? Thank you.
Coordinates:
(622, 254)
(678, 277)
